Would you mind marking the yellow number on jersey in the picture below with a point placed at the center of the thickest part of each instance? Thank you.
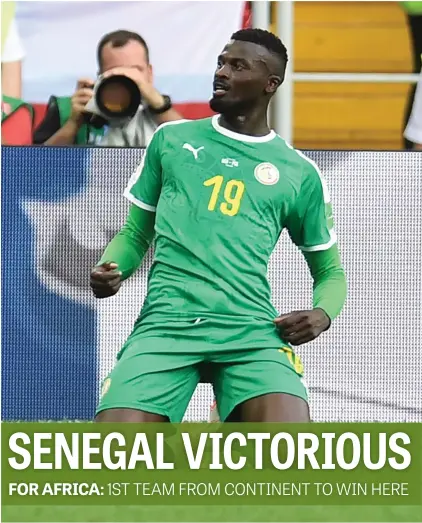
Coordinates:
(233, 193)
(217, 181)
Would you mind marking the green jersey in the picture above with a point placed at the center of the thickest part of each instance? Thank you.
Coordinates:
(222, 200)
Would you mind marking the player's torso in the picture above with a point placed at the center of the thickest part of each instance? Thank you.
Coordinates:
(221, 210)
(216, 186)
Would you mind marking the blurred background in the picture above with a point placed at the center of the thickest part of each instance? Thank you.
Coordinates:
(351, 84)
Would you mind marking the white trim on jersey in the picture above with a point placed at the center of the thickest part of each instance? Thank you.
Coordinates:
(327, 199)
(241, 137)
(133, 179)
(173, 122)
(322, 246)
(325, 190)
(139, 203)
(138, 171)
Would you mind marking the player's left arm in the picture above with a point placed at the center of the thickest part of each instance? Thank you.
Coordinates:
(311, 228)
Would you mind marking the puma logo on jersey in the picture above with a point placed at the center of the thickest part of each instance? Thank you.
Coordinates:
(194, 151)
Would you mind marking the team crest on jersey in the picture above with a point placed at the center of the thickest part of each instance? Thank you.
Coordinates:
(267, 173)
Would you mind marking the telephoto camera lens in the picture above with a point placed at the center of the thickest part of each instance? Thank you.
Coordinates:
(118, 97)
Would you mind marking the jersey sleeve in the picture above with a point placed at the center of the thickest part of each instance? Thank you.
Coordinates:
(310, 224)
(144, 186)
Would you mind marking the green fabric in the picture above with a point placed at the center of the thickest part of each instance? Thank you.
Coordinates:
(15, 104)
(412, 8)
(86, 132)
(236, 195)
(219, 213)
(330, 287)
(131, 243)
(160, 375)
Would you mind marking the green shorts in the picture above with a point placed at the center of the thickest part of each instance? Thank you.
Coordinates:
(163, 382)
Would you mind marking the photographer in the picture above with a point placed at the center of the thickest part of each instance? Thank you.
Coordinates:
(68, 120)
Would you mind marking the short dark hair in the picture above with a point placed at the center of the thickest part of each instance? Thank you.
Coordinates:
(261, 37)
(119, 39)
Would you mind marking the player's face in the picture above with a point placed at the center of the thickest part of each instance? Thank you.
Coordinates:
(242, 77)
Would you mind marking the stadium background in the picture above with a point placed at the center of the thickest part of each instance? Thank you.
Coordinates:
(328, 37)
(61, 205)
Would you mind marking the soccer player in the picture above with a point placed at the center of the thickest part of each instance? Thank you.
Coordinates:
(217, 193)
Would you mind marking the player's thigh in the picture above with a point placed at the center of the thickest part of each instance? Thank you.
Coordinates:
(272, 408)
(273, 375)
(118, 415)
(151, 382)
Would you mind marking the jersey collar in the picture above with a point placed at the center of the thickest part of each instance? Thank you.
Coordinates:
(241, 137)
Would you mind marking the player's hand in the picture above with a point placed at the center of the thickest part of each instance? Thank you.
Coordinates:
(106, 280)
(300, 327)
(82, 95)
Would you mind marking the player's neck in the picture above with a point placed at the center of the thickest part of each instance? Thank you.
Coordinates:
(253, 124)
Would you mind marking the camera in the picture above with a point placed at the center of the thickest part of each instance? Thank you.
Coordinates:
(115, 100)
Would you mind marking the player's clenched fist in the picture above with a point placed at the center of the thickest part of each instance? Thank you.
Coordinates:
(299, 327)
(105, 280)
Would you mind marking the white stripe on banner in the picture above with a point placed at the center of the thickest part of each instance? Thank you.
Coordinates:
(185, 38)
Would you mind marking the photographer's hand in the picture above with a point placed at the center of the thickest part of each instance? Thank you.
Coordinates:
(82, 95)
(149, 93)
(67, 134)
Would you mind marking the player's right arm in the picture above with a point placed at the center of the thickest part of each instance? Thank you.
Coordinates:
(124, 254)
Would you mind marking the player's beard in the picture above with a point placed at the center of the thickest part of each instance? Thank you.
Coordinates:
(225, 106)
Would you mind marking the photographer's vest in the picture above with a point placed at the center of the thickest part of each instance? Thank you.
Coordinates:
(17, 121)
(10, 105)
(87, 134)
